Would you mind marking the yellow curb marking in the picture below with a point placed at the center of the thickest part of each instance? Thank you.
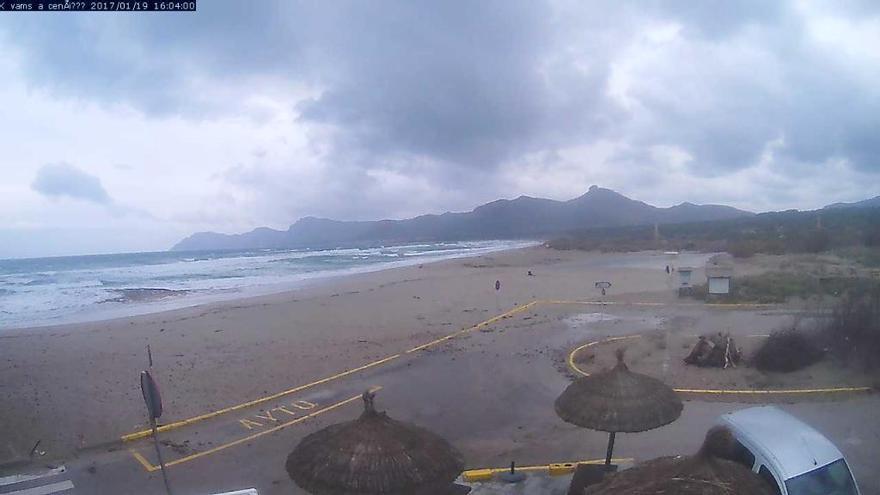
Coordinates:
(638, 303)
(591, 344)
(553, 468)
(805, 391)
(177, 424)
(150, 467)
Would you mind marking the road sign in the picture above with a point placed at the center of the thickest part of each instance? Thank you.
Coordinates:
(603, 285)
(154, 408)
(151, 395)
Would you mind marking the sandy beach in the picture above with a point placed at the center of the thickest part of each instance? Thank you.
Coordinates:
(73, 386)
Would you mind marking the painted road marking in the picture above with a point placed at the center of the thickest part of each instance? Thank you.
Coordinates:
(177, 424)
(45, 489)
(803, 391)
(149, 467)
(267, 416)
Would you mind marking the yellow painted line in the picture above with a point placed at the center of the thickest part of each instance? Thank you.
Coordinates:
(781, 391)
(143, 460)
(150, 467)
(177, 424)
(195, 419)
(482, 324)
(590, 344)
(479, 474)
(804, 391)
(638, 303)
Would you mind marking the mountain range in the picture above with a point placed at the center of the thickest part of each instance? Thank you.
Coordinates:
(866, 203)
(520, 218)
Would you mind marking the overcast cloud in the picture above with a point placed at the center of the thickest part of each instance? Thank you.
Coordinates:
(257, 113)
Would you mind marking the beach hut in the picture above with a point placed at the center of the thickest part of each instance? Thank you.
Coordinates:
(374, 455)
(618, 400)
(684, 276)
(719, 272)
(709, 472)
(718, 278)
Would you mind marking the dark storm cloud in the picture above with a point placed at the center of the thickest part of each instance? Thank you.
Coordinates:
(64, 180)
(440, 88)
(463, 83)
(149, 61)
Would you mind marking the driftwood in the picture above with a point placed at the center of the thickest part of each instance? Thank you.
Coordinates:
(716, 351)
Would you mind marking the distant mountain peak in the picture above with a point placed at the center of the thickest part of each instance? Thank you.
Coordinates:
(523, 217)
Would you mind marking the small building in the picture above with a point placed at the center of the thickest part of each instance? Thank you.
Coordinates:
(719, 272)
(684, 276)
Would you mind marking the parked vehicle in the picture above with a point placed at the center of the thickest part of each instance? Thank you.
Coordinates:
(788, 453)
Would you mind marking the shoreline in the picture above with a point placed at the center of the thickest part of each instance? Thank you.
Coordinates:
(176, 303)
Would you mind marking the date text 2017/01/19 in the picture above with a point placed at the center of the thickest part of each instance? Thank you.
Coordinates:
(99, 6)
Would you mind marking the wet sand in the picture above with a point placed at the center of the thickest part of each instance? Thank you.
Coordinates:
(73, 386)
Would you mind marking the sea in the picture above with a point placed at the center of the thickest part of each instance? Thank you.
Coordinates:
(46, 291)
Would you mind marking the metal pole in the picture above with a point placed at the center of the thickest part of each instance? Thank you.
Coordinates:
(159, 455)
(610, 448)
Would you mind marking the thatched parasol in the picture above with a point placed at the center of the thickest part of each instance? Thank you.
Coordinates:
(618, 400)
(705, 473)
(374, 455)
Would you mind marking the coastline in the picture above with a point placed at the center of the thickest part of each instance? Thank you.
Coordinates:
(144, 301)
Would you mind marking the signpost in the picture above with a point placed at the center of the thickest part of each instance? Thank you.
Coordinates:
(154, 408)
(603, 285)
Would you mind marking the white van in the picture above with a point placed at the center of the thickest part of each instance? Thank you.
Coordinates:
(795, 458)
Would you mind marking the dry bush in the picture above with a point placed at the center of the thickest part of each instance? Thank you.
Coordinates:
(787, 350)
(854, 330)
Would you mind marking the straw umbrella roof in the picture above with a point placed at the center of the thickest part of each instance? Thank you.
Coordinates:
(706, 473)
(618, 400)
(374, 455)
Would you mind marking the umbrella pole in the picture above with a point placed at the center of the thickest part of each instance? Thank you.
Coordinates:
(610, 448)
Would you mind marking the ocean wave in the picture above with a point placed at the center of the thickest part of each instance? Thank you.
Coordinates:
(88, 288)
(143, 294)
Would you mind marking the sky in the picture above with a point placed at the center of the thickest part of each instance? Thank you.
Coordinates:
(127, 132)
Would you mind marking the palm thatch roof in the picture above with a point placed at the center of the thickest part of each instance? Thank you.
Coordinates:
(705, 473)
(618, 400)
(374, 455)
